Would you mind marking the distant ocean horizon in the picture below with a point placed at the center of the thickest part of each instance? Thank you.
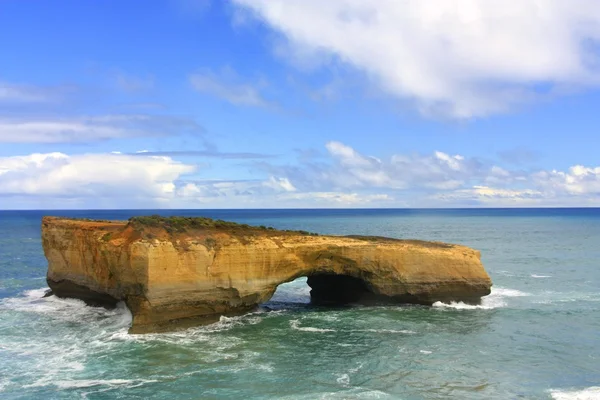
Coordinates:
(535, 337)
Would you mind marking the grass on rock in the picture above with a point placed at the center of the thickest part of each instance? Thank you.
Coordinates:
(181, 224)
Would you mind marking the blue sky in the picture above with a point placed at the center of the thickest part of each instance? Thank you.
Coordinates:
(256, 103)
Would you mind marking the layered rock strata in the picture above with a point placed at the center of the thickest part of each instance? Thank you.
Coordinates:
(179, 271)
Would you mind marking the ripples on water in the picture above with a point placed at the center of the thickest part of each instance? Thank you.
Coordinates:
(535, 337)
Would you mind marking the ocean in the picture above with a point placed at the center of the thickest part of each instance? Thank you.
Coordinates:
(536, 336)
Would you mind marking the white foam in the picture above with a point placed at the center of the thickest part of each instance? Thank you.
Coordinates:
(349, 392)
(552, 297)
(35, 293)
(403, 331)
(56, 358)
(59, 360)
(295, 324)
(343, 379)
(496, 299)
(505, 273)
(505, 292)
(425, 351)
(358, 368)
(591, 393)
(86, 383)
(328, 317)
(459, 305)
(540, 276)
(70, 310)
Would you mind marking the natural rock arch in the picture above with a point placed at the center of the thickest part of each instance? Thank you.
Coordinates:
(185, 271)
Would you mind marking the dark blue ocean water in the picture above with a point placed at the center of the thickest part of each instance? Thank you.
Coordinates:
(537, 336)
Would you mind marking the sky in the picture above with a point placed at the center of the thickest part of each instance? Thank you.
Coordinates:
(299, 103)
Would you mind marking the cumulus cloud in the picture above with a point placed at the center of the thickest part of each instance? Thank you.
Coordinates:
(279, 184)
(457, 58)
(227, 85)
(92, 128)
(243, 190)
(345, 178)
(438, 179)
(492, 196)
(90, 176)
(578, 180)
(272, 192)
(349, 169)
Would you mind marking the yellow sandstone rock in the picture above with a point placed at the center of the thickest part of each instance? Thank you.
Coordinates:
(180, 271)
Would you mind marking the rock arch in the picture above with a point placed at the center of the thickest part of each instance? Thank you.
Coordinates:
(202, 270)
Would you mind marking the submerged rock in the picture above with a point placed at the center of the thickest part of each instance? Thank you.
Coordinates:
(182, 271)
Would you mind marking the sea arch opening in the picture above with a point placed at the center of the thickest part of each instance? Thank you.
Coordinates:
(324, 288)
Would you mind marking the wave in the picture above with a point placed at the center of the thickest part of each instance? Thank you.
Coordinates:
(295, 324)
(345, 392)
(404, 331)
(116, 322)
(64, 335)
(68, 310)
(459, 305)
(343, 379)
(505, 292)
(591, 393)
(540, 276)
(76, 332)
(87, 383)
(496, 299)
(200, 334)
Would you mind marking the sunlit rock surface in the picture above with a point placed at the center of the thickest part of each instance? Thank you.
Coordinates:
(178, 271)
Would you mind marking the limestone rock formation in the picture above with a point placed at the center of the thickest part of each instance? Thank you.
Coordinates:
(180, 271)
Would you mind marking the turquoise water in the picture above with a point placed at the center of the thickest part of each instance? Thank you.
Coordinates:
(537, 336)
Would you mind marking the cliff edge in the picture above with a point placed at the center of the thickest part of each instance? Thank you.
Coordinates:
(182, 271)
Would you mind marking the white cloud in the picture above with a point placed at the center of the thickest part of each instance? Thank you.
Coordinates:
(439, 179)
(92, 128)
(349, 179)
(226, 85)
(279, 184)
(91, 175)
(337, 198)
(459, 58)
(14, 93)
(440, 170)
(272, 193)
(578, 180)
(485, 194)
(245, 191)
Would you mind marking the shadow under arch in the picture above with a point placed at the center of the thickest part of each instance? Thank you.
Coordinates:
(333, 289)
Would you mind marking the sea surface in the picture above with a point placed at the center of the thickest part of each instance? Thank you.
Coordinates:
(537, 336)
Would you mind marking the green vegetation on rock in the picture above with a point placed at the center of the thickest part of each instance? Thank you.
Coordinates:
(181, 224)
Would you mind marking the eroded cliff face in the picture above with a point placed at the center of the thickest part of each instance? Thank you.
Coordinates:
(194, 274)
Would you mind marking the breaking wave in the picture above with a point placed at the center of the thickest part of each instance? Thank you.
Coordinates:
(496, 299)
(295, 324)
(591, 393)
